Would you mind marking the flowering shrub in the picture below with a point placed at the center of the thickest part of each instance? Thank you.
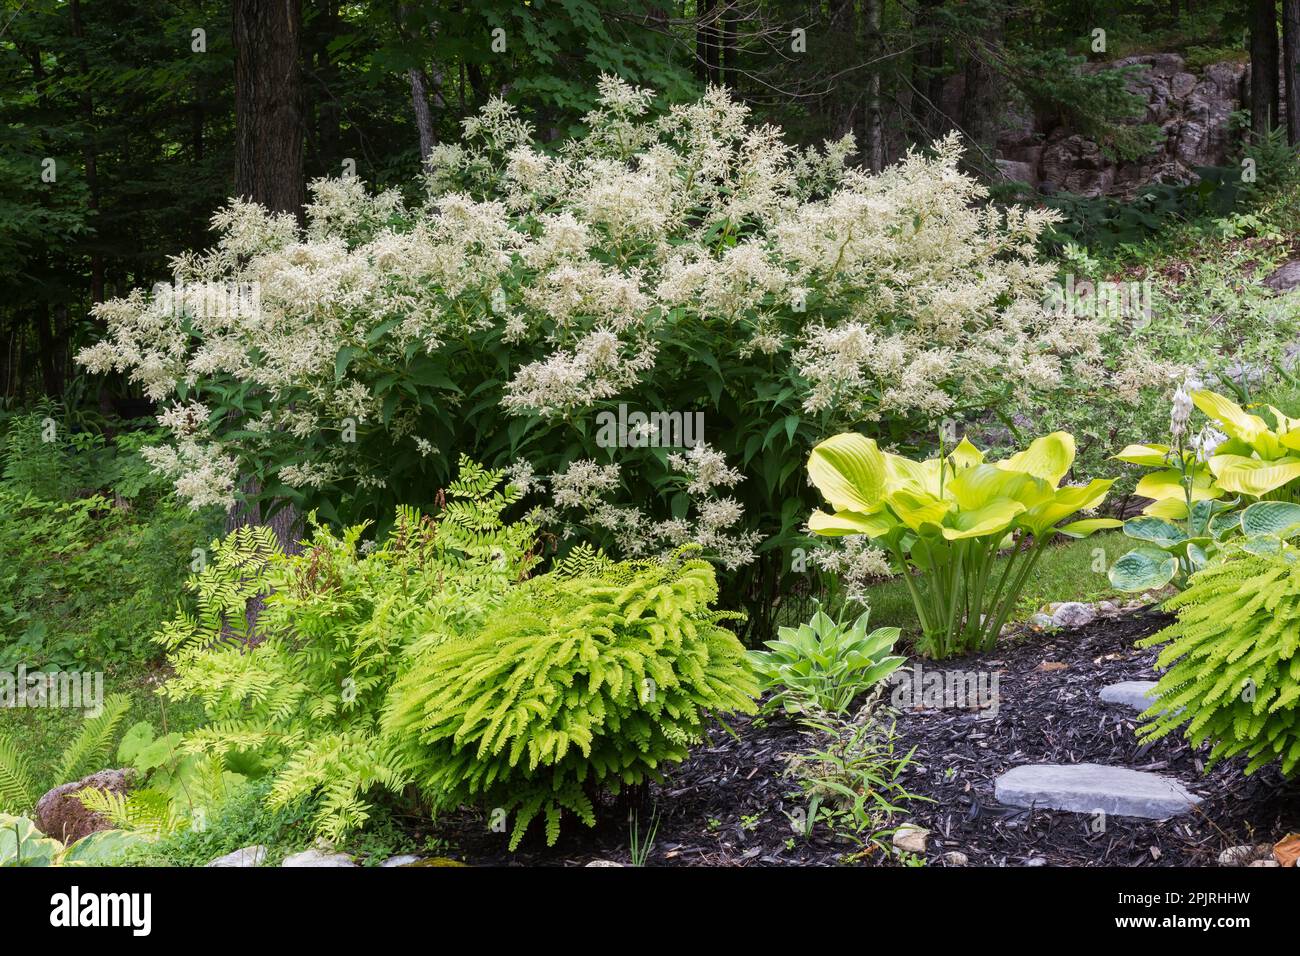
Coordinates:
(674, 262)
(947, 519)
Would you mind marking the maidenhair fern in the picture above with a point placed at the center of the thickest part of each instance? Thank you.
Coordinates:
(596, 675)
(1234, 674)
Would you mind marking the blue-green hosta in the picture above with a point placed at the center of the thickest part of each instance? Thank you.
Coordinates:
(945, 520)
(1197, 497)
(824, 665)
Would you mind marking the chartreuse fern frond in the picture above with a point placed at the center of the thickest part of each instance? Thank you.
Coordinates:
(1233, 675)
(597, 675)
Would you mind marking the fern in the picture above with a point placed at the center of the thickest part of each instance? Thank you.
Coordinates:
(594, 676)
(17, 787)
(1233, 674)
(305, 699)
(93, 744)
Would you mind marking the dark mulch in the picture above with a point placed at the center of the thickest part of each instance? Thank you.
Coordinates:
(1056, 716)
(727, 804)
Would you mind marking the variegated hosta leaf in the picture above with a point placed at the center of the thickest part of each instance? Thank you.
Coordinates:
(1274, 518)
(1143, 569)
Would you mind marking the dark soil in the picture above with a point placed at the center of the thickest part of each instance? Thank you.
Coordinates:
(727, 805)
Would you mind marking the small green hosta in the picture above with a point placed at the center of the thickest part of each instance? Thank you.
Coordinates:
(1197, 495)
(823, 666)
(1233, 675)
(945, 520)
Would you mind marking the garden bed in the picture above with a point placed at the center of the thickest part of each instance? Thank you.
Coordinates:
(727, 804)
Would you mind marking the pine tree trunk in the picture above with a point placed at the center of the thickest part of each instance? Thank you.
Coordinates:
(269, 131)
(1291, 67)
(873, 48)
(268, 103)
(1263, 67)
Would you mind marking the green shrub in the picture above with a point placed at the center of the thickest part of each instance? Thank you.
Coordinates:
(823, 666)
(1233, 675)
(595, 675)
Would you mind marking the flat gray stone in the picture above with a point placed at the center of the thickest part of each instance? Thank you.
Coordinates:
(254, 855)
(1073, 614)
(404, 859)
(1092, 788)
(1138, 694)
(317, 858)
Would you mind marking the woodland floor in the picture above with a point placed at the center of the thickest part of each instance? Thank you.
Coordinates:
(727, 805)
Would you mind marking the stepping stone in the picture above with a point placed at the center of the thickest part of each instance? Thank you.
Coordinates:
(1138, 694)
(1090, 787)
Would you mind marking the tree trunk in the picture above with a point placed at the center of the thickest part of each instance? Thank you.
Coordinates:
(927, 67)
(1263, 67)
(268, 103)
(981, 105)
(872, 49)
(88, 152)
(706, 42)
(423, 118)
(269, 131)
(1291, 67)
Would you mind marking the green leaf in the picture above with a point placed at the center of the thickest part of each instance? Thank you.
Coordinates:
(1143, 569)
(1274, 518)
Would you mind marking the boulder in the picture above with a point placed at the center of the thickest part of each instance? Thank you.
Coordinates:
(1285, 277)
(315, 858)
(246, 856)
(1073, 614)
(60, 814)
(1138, 694)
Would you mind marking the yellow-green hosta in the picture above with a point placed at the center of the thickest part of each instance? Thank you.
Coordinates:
(948, 517)
(1257, 461)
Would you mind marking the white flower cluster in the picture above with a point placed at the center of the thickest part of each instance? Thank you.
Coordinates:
(888, 294)
(584, 487)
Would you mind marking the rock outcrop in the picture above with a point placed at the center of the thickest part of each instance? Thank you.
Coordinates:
(1192, 111)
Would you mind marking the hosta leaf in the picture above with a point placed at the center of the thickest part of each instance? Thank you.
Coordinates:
(1156, 530)
(1152, 456)
(1250, 476)
(1087, 526)
(1049, 457)
(1143, 569)
(1270, 518)
(849, 470)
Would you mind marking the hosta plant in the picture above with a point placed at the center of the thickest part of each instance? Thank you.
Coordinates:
(944, 522)
(21, 844)
(1202, 487)
(824, 665)
(1233, 675)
